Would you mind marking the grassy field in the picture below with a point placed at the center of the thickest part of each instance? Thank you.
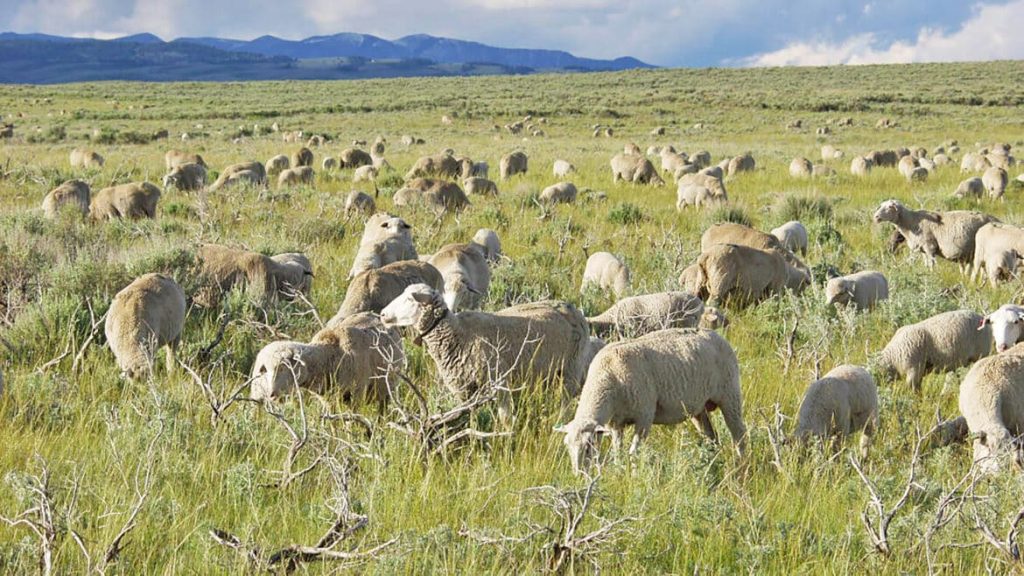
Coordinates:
(690, 506)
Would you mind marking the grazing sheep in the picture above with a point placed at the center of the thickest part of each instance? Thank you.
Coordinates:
(329, 163)
(295, 176)
(672, 162)
(860, 166)
(843, 401)
(636, 169)
(919, 174)
(947, 234)
(540, 340)
(187, 177)
(701, 159)
(386, 239)
(84, 158)
(1006, 324)
(906, 166)
(829, 152)
(863, 289)
(71, 193)
(561, 193)
(972, 162)
(372, 290)
(467, 277)
(709, 179)
(512, 164)
(480, 186)
(800, 168)
(941, 159)
(639, 315)
(793, 237)
(696, 196)
(489, 241)
(479, 170)
(740, 274)
(439, 165)
(713, 319)
(995, 180)
(174, 158)
(662, 378)
(365, 174)
(562, 169)
(732, 233)
(278, 164)
(302, 157)
(941, 343)
(743, 163)
(133, 201)
(970, 187)
(145, 316)
(439, 195)
(992, 403)
(355, 356)
(252, 173)
(606, 272)
(362, 202)
(997, 249)
(263, 277)
(296, 272)
(354, 158)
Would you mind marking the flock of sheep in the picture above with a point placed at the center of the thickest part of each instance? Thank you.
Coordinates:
(664, 363)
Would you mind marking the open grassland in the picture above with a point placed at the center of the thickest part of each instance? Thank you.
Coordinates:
(696, 507)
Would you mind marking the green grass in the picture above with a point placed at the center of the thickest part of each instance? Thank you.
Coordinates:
(700, 507)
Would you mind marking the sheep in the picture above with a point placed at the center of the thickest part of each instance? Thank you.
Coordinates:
(439, 165)
(737, 273)
(918, 174)
(365, 174)
(248, 172)
(941, 343)
(133, 201)
(743, 163)
(970, 187)
(524, 343)
(639, 315)
(991, 401)
(174, 158)
(841, 402)
(71, 193)
(480, 186)
(355, 355)
(663, 378)
(696, 196)
(84, 158)
(863, 289)
(467, 277)
(672, 161)
(329, 163)
(800, 168)
(860, 166)
(263, 277)
(512, 164)
(635, 169)
(1005, 324)
(713, 318)
(489, 241)
(906, 166)
(792, 236)
(186, 177)
(439, 195)
(995, 180)
(941, 159)
(295, 177)
(562, 169)
(710, 179)
(479, 170)
(302, 157)
(701, 159)
(357, 201)
(372, 290)
(997, 248)
(948, 234)
(732, 233)
(972, 162)
(145, 316)
(606, 272)
(297, 272)
(278, 164)
(354, 158)
(829, 152)
(561, 193)
(631, 149)
(386, 239)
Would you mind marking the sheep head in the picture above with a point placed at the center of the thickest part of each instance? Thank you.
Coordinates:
(278, 369)
(581, 437)
(412, 306)
(838, 291)
(888, 211)
(1007, 324)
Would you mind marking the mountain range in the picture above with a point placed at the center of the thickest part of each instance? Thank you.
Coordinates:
(47, 59)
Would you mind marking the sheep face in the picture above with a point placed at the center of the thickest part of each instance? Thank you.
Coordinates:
(278, 369)
(989, 446)
(888, 211)
(713, 318)
(838, 291)
(1007, 324)
(395, 227)
(459, 294)
(407, 309)
(581, 442)
(171, 179)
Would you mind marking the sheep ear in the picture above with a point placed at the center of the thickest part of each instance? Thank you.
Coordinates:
(984, 322)
(423, 297)
(406, 226)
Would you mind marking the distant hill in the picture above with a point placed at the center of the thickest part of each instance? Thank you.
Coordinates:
(46, 59)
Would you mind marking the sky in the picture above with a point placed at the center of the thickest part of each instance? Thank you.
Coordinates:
(661, 32)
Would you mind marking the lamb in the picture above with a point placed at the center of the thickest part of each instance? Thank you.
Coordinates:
(354, 158)
(635, 169)
(843, 401)
(995, 180)
(639, 315)
(860, 166)
(991, 401)
(439, 165)
(743, 163)
(356, 355)
(512, 164)
(738, 273)
(606, 272)
(263, 277)
(278, 164)
(302, 157)
(439, 195)
(372, 290)
(663, 378)
(489, 241)
(1006, 323)
(174, 158)
(357, 201)
(997, 249)
(71, 193)
(793, 237)
(800, 168)
(295, 177)
(186, 177)
(970, 187)
(365, 174)
(540, 340)
(386, 239)
(561, 193)
(918, 174)
(562, 169)
(145, 316)
(941, 343)
(133, 201)
(250, 172)
(947, 234)
(480, 186)
(84, 158)
(863, 289)
(467, 277)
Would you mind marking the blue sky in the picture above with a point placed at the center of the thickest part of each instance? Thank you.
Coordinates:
(663, 32)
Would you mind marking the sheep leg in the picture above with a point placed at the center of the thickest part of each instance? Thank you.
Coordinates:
(865, 437)
(703, 421)
(914, 378)
(733, 415)
(641, 432)
(172, 348)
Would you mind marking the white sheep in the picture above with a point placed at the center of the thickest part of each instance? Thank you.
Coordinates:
(512, 164)
(1006, 325)
(793, 236)
(73, 193)
(860, 166)
(186, 177)
(360, 202)
(639, 315)
(489, 241)
(992, 403)
(662, 378)
(467, 277)
(970, 187)
(606, 272)
(941, 343)
(800, 167)
(997, 249)
(562, 169)
(843, 401)
(278, 164)
(144, 316)
(947, 234)
(386, 239)
(863, 289)
(995, 180)
(476, 185)
(295, 176)
(365, 174)
(560, 193)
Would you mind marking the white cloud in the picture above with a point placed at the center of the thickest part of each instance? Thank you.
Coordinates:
(994, 32)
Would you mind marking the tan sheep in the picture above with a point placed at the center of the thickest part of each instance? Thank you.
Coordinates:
(739, 274)
(364, 174)
(606, 272)
(302, 157)
(439, 165)
(475, 185)
(941, 343)
(467, 276)
(841, 402)
(997, 249)
(145, 316)
(742, 163)
(385, 239)
(636, 169)
(992, 402)
(73, 193)
(995, 180)
(187, 177)
(361, 202)
(439, 195)
(84, 158)
(560, 193)
(860, 166)
(174, 158)
(329, 163)
(562, 169)
(973, 187)
(300, 175)
(373, 289)
(489, 241)
(278, 164)
(800, 168)
(252, 173)
(262, 277)
(512, 164)
(354, 158)
(863, 289)
(133, 201)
